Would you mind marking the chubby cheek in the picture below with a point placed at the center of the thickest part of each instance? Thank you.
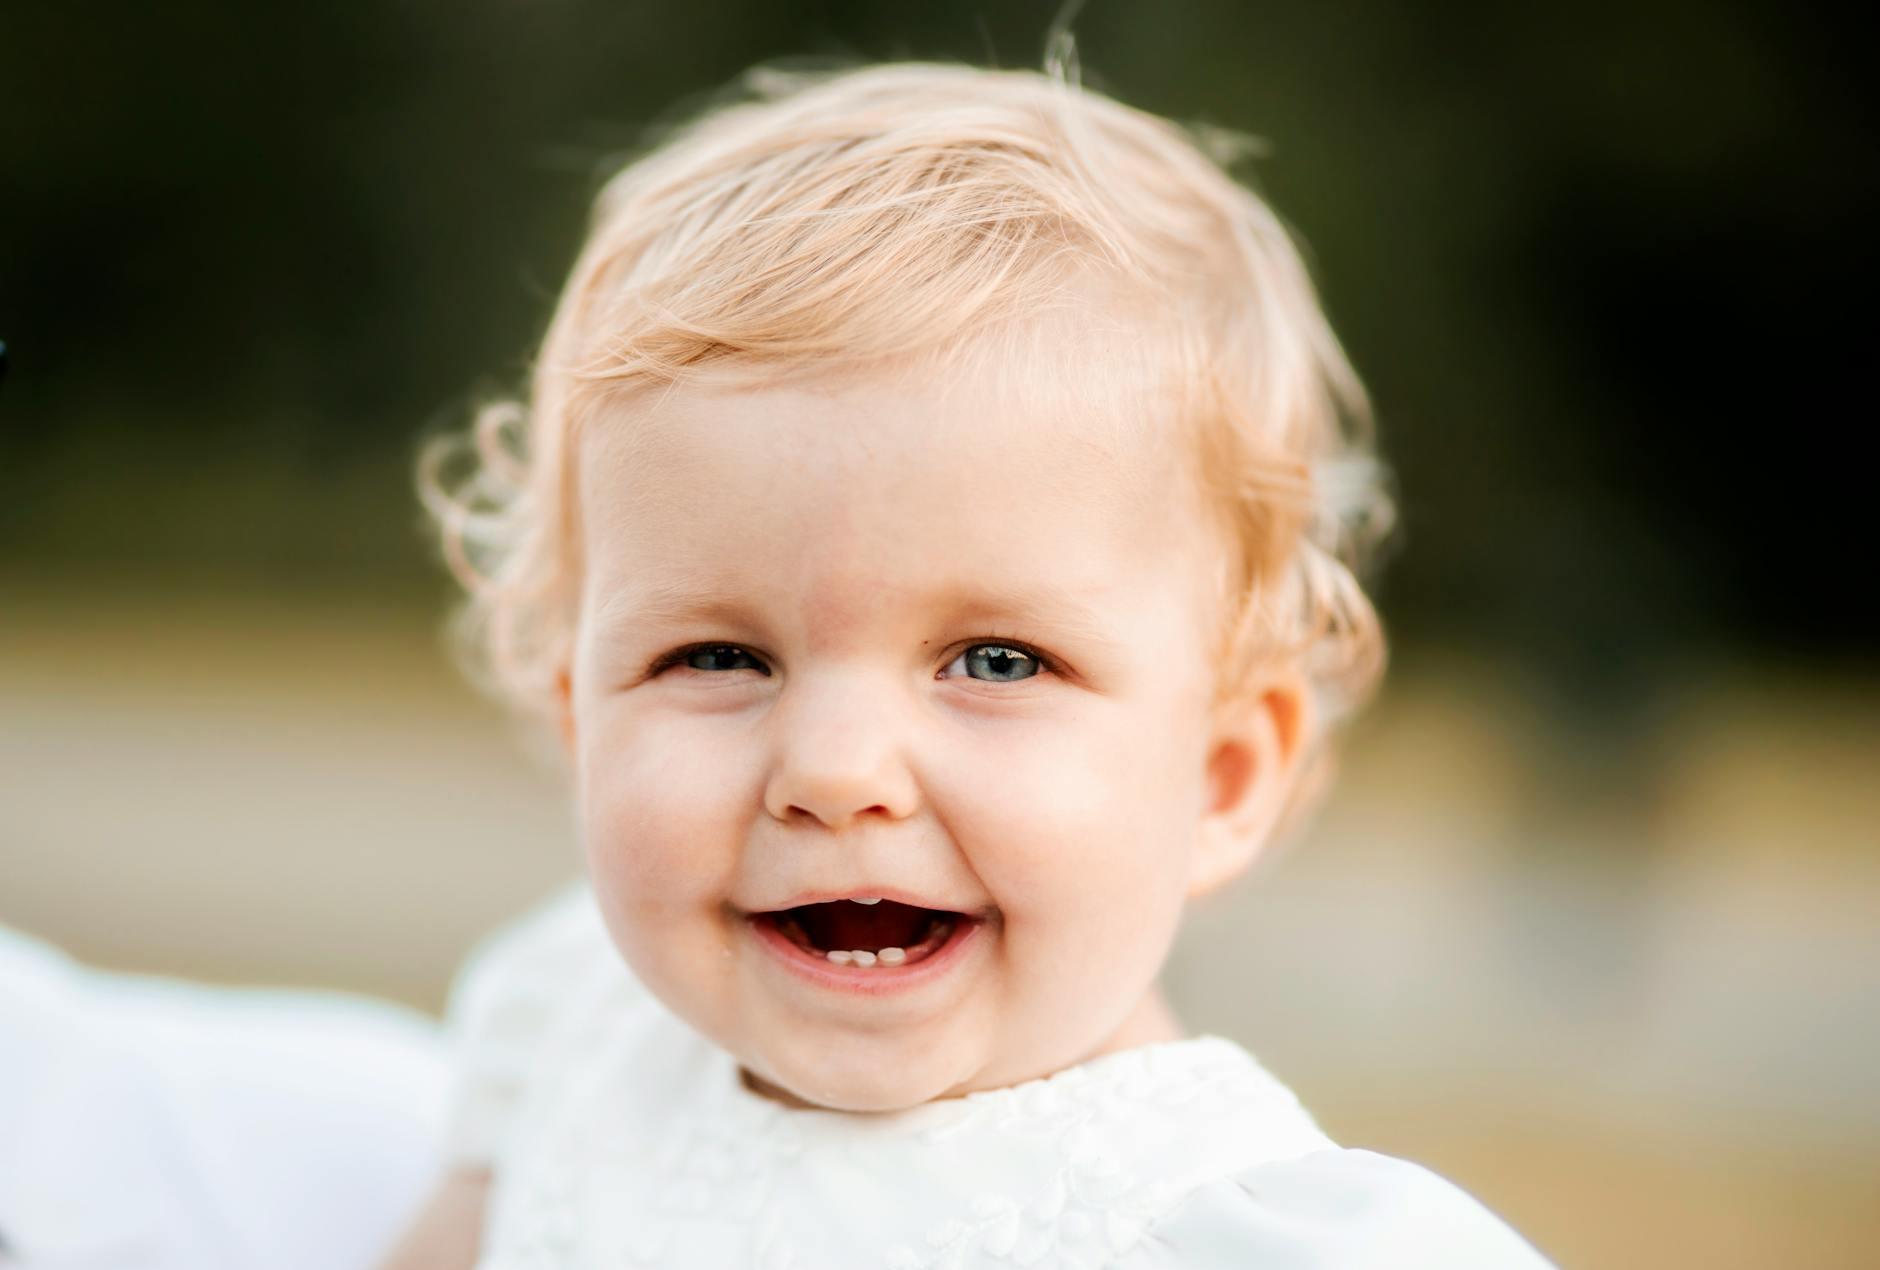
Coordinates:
(661, 826)
(1082, 835)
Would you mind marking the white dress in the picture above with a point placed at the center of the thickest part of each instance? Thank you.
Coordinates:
(619, 1138)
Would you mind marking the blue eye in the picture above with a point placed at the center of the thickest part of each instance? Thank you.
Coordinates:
(1001, 663)
(710, 657)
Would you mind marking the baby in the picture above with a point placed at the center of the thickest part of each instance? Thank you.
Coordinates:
(932, 535)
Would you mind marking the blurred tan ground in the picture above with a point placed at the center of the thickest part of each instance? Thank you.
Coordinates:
(1638, 1017)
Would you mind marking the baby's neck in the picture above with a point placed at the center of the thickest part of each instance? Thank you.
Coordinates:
(1150, 1023)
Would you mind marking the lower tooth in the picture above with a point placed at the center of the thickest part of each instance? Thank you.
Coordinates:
(840, 957)
(892, 956)
(863, 957)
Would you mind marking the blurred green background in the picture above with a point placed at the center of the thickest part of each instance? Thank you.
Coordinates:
(1590, 922)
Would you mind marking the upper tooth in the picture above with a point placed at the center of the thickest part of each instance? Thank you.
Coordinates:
(864, 899)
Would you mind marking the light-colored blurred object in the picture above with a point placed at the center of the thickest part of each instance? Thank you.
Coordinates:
(252, 792)
(166, 1126)
(1629, 998)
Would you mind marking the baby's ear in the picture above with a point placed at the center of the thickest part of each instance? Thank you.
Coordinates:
(1252, 762)
(564, 708)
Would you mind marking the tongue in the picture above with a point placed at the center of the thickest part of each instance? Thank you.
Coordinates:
(843, 924)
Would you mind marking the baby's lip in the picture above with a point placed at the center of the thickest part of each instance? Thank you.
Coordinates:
(899, 896)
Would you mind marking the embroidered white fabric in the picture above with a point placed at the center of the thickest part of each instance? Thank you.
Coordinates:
(620, 1138)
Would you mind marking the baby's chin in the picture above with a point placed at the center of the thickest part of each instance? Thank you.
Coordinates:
(847, 1099)
(837, 1082)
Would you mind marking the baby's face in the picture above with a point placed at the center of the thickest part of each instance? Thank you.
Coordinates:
(858, 641)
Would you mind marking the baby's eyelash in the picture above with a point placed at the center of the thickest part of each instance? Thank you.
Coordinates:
(665, 661)
(1044, 661)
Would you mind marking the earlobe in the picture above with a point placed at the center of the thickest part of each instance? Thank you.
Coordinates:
(564, 709)
(1252, 762)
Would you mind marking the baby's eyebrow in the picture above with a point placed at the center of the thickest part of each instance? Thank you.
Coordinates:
(1048, 608)
(668, 603)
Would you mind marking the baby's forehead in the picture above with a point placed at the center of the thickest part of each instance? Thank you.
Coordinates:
(1087, 374)
(977, 438)
(853, 486)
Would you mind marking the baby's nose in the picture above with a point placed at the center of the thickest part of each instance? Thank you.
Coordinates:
(840, 754)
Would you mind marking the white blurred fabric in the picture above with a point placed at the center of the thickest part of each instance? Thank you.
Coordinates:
(149, 1124)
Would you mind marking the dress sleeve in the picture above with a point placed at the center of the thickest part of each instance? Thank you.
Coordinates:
(1337, 1209)
(504, 1005)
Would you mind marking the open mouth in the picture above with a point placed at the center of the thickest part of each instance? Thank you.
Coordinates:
(883, 933)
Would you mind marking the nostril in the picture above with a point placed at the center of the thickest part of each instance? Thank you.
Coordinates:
(797, 811)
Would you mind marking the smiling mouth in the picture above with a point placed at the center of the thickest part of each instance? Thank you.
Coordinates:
(885, 933)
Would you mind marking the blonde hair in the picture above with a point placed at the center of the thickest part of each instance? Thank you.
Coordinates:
(839, 220)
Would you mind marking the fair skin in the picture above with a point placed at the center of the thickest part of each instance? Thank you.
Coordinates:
(867, 636)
